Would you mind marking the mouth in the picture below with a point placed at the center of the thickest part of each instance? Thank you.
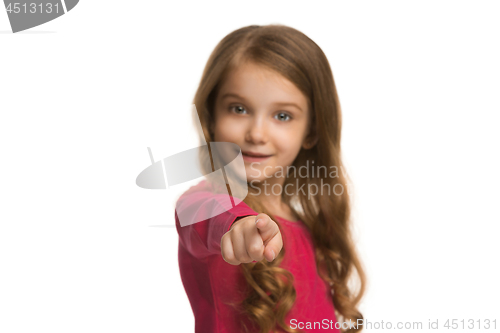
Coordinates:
(254, 157)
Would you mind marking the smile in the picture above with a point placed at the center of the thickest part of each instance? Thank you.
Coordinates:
(254, 157)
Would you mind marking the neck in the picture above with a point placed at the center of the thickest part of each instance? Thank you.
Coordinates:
(270, 197)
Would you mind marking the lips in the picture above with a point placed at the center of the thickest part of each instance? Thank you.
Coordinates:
(254, 154)
(249, 156)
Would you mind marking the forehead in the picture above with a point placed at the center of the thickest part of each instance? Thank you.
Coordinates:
(260, 84)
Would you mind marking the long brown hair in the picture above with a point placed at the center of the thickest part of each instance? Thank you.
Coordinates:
(296, 57)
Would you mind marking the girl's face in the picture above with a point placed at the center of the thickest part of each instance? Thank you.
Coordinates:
(264, 114)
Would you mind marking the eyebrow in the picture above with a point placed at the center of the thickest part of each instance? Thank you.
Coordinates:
(277, 103)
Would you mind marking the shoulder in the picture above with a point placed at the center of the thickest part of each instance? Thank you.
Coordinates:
(202, 188)
(205, 186)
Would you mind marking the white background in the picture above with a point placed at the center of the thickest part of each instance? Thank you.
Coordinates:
(81, 97)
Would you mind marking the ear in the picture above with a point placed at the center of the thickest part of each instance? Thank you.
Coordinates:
(312, 137)
(310, 142)
(211, 128)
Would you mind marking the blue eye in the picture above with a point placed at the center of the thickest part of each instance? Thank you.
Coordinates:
(283, 116)
(238, 109)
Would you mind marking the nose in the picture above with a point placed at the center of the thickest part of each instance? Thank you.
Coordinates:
(257, 131)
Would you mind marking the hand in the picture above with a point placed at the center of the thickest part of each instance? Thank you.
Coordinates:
(247, 241)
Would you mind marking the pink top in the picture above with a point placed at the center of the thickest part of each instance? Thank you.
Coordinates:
(210, 282)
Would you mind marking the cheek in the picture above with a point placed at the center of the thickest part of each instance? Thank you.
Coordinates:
(223, 131)
(230, 130)
(288, 146)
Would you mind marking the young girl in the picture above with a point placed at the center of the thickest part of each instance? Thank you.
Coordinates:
(280, 260)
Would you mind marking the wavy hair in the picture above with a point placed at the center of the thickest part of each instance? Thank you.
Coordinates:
(296, 57)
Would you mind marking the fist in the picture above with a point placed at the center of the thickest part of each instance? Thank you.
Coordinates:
(251, 238)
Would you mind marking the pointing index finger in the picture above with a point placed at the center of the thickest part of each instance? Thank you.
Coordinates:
(266, 227)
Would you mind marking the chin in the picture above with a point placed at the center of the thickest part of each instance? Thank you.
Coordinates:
(255, 180)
